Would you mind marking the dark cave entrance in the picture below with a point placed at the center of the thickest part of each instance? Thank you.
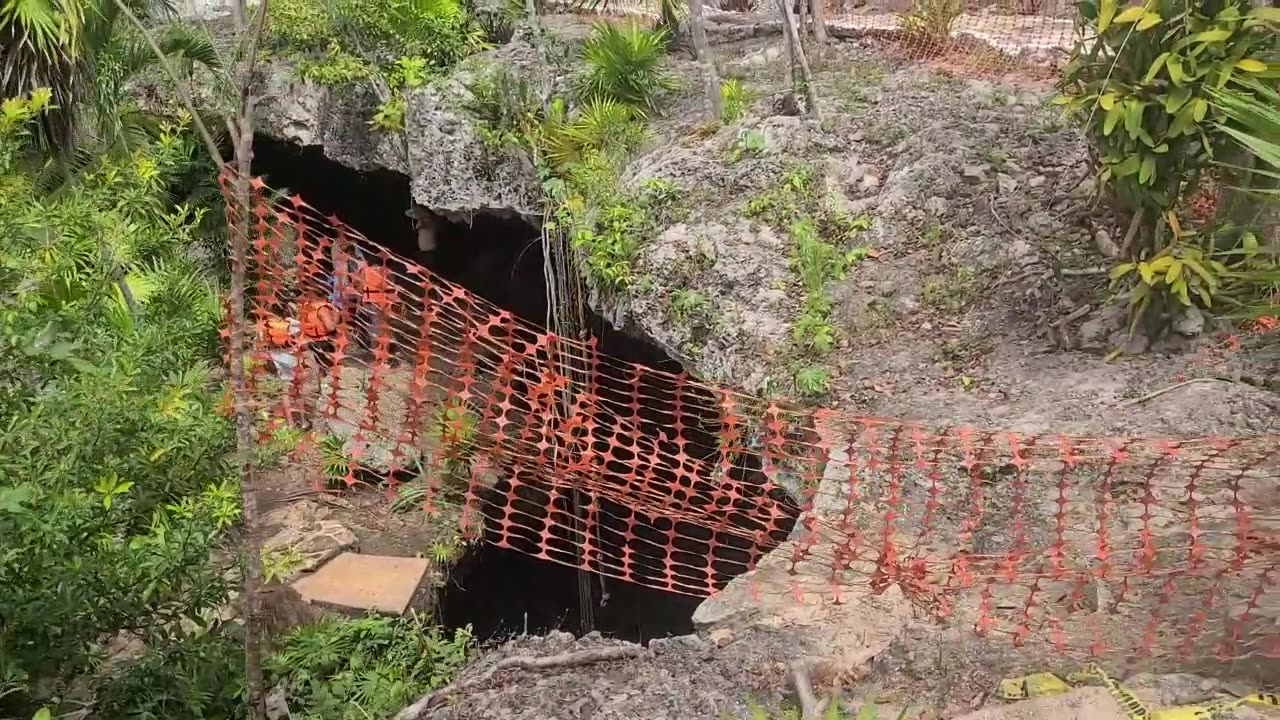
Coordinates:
(500, 591)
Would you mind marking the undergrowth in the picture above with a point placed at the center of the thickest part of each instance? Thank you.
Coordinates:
(372, 667)
(822, 253)
(581, 144)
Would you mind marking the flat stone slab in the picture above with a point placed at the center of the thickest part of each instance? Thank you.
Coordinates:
(364, 582)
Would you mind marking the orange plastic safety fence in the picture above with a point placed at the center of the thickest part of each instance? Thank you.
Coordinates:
(1089, 544)
(969, 36)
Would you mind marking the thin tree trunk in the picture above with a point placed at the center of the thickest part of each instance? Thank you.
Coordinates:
(706, 62)
(239, 15)
(797, 54)
(242, 127)
(786, 44)
(531, 14)
(819, 27)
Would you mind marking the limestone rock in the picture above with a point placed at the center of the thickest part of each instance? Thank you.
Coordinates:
(307, 531)
(1190, 323)
(335, 119)
(453, 170)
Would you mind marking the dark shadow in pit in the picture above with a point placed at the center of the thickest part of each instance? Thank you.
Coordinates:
(501, 593)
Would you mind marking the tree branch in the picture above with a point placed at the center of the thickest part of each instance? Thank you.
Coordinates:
(810, 707)
(418, 709)
(706, 62)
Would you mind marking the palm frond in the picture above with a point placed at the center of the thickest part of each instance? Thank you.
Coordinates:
(625, 62)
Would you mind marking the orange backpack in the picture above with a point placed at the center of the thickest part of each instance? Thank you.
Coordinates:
(374, 286)
(319, 319)
(275, 331)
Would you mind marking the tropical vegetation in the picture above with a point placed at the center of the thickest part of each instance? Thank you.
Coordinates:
(1177, 101)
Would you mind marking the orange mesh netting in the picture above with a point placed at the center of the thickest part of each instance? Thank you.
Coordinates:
(1092, 544)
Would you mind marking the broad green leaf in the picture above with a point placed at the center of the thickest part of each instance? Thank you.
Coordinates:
(42, 714)
(1209, 36)
(1156, 66)
(1132, 14)
(1106, 101)
(1175, 70)
(1199, 107)
(1149, 20)
(1148, 169)
(1129, 166)
(1112, 119)
(13, 498)
(1105, 14)
(1251, 65)
(1180, 289)
(1204, 274)
(1162, 263)
(1133, 116)
(1182, 121)
(1175, 272)
(1147, 274)
(1176, 99)
(1121, 270)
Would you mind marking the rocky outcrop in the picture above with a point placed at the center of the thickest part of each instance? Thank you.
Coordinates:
(335, 119)
(453, 171)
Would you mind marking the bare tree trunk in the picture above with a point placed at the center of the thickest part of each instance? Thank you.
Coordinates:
(786, 44)
(242, 134)
(531, 14)
(706, 63)
(819, 27)
(239, 15)
(797, 54)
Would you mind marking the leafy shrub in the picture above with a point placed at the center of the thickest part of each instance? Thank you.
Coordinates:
(453, 429)
(930, 21)
(371, 667)
(1150, 93)
(113, 482)
(602, 126)
(193, 676)
(336, 67)
(438, 31)
(402, 43)
(625, 63)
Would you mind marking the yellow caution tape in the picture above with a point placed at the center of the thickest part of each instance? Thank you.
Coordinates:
(1046, 684)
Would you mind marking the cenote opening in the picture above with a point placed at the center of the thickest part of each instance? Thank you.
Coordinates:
(503, 591)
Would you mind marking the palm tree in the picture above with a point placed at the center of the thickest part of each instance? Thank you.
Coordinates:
(77, 49)
(42, 46)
